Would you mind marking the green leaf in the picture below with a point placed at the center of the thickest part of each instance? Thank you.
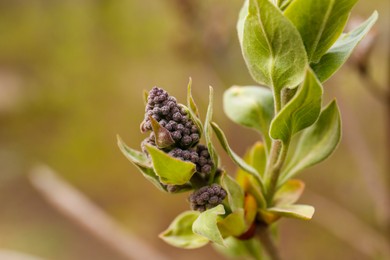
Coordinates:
(301, 112)
(255, 157)
(163, 136)
(180, 234)
(233, 225)
(193, 108)
(208, 134)
(134, 156)
(338, 54)
(245, 249)
(289, 193)
(237, 159)
(250, 106)
(317, 142)
(283, 4)
(304, 212)
(169, 169)
(206, 224)
(234, 192)
(272, 47)
(142, 163)
(320, 23)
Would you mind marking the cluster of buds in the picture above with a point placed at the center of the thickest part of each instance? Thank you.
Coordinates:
(207, 197)
(163, 112)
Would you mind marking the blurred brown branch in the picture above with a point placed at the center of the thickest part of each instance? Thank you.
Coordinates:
(6, 254)
(349, 228)
(74, 205)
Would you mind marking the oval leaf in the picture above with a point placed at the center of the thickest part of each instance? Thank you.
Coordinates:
(304, 212)
(169, 169)
(271, 45)
(180, 234)
(244, 249)
(250, 106)
(301, 112)
(289, 193)
(206, 224)
(233, 225)
(317, 142)
(342, 49)
(320, 23)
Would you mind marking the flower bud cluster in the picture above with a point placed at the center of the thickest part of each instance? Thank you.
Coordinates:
(172, 116)
(199, 156)
(207, 197)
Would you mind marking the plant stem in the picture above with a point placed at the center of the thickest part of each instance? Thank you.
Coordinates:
(269, 245)
(276, 161)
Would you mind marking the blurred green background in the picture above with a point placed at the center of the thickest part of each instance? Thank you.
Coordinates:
(72, 74)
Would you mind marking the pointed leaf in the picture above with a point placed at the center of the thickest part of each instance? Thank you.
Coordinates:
(206, 224)
(304, 212)
(171, 170)
(320, 23)
(271, 45)
(208, 134)
(142, 163)
(289, 193)
(163, 136)
(338, 54)
(193, 108)
(250, 106)
(234, 192)
(317, 142)
(301, 112)
(180, 234)
(238, 160)
(136, 157)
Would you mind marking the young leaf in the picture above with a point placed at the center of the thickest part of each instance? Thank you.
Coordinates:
(237, 159)
(250, 106)
(134, 156)
(206, 224)
(180, 234)
(342, 49)
(301, 112)
(208, 133)
(234, 192)
(304, 212)
(193, 108)
(283, 4)
(245, 249)
(272, 47)
(320, 23)
(316, 143)
(142, 163)
(256, 157)
(169, 169)
(289, 193)
(233, 225)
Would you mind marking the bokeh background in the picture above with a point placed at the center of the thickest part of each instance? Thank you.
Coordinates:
(72, 74)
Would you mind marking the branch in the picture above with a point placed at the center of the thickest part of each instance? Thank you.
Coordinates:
(346, 226)
(6, 254)
(74, 205)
